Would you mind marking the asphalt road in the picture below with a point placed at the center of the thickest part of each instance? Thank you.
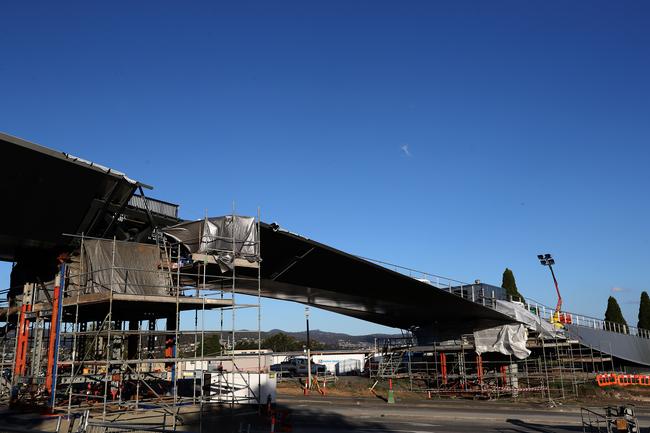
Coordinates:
(314, 415)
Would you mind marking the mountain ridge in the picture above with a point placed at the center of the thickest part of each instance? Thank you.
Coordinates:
(332, 339)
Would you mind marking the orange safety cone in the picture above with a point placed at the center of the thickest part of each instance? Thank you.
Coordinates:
(273, 423)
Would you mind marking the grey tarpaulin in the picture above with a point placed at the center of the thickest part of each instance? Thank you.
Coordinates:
(532, 321)
(215, 236)
(134, 268)
(506, 339)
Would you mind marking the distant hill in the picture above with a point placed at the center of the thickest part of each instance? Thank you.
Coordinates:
(330, 339)
(327, 340)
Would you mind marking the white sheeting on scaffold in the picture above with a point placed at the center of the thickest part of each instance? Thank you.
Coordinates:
(532, 321)
(511, 339)
(506, 339)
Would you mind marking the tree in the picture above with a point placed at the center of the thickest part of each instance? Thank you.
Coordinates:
(613, 314)
(510, 285)
(279, 342)
(317, 345)
(282, 343)
(644, 311)
(212, 346)
(246, 345)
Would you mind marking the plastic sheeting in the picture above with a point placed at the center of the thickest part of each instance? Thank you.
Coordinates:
(133, 268)
(533, 322)
(506, 339)
(218, 236)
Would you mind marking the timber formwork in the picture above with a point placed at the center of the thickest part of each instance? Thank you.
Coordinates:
(70, 346)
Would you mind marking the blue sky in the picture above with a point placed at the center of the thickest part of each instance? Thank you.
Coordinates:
(455, 137)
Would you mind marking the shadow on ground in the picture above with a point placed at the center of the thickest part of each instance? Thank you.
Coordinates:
(527, 427)
(304, 418)
(17, 421)
(294, 420)
(319, 420)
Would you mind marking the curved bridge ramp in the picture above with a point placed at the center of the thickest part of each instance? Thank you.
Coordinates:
(628, 347)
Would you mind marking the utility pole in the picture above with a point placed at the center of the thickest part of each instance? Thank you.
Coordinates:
(308, 385)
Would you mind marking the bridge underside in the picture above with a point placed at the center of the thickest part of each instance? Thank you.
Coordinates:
(299, 269)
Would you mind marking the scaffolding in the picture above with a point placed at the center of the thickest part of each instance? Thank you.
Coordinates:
(554, 371)
(109, 339)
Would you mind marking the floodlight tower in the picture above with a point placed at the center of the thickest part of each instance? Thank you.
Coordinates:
(547, 260)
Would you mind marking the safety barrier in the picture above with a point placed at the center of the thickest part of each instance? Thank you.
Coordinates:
(607, 379)
(641, 379)
(614, 379)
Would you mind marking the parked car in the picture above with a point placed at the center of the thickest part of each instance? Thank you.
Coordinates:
(298, 367)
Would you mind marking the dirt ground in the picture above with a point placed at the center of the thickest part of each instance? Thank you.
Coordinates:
(347, 386)
(354, 386)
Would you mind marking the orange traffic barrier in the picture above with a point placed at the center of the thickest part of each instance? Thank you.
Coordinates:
(643, 379)
(622, 380)
(610, 379)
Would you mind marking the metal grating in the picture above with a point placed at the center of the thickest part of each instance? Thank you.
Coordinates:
(156, 206)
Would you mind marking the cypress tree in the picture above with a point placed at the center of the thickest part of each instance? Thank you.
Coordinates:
(614, 315)
(508, 282)
(644, 311)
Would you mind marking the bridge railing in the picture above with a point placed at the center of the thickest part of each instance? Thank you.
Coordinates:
(487, 295)
(582, 320)
(391, 343)
(478, 292)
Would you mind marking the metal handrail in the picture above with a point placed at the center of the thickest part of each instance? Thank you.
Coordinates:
(585, 321)
(466, 291)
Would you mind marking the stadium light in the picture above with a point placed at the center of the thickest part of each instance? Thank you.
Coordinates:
(548, 260)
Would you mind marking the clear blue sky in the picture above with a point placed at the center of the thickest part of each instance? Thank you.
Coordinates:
(455, 137)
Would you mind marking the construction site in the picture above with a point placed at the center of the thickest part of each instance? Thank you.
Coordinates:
(94, 313)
